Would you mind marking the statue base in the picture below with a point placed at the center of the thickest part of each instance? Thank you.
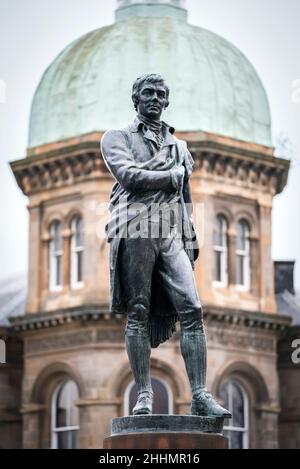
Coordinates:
(166, 432)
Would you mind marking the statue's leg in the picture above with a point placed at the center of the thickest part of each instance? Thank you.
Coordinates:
(177, 276)
(194, 352)
(138, 348)
(193, 349)
(137, 262)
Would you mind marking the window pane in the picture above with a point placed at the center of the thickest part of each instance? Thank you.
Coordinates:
(58, 271)
(66, 412)
(161, 398)
(161, 405)
(241, 236)
(235, 400)
(62, 408)
(238, 407)
(220, 232)
(61, 417)
(62, 440)
(56, 246)
(74, 436)
(235, 439)
(55, 232)
(240, 270)
(225, 396)
(57, 237)
(223, 232)
(52, 248)
(67, 440)
(79, 233)
(73, 409)
(218, 270)
(79, 266)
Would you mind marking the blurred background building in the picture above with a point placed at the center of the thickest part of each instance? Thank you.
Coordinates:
(67, 373)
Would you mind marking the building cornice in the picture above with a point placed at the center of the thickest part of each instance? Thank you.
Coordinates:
(251, 319)
(37, 174)
(96, 313)
(249, 168)
(76, 160)
(47, 320)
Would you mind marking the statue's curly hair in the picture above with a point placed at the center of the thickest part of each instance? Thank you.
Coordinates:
(147, 78)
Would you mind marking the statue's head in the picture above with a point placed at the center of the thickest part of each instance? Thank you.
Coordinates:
(150, 95)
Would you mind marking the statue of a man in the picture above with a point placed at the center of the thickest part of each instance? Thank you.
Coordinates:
(152, 279)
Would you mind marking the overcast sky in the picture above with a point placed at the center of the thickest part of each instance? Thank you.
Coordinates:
(33, 32)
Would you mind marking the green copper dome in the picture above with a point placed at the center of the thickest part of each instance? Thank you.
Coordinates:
(214, 88)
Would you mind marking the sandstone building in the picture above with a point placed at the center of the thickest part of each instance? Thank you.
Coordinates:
(67, 373)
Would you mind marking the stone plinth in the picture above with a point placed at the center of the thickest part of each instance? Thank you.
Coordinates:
(166, 432)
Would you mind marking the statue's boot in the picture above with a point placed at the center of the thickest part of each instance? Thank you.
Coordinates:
(138, 350)
(144, 403)
(194, 352)
(206, 405)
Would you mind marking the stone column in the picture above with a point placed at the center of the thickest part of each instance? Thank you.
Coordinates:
(45, 263)
(32, 425)
(204, 265)
(95, 421)
(267, 298)
(96, 248)
(35, 269)
(267, 425)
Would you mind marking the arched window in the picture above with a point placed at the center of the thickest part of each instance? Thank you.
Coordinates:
(163, 397)
(236, 401)
(65, 416)
(56, 253)
(76, 252)
(243, 255)
(221, 251)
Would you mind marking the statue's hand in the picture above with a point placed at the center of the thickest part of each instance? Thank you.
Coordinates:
(177, 175)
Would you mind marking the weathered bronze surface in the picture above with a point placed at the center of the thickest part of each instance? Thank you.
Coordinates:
(153, 244)
(166, 423)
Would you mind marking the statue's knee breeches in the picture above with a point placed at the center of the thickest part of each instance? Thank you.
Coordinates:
(137, 319)
(192, 320)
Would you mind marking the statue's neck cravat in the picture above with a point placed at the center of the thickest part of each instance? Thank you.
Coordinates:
(156, 127)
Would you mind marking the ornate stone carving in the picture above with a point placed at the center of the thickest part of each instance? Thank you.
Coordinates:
(58, 341)
(75, 339)
(71, 164)
(269, 175)
(110, 335)
(231, 338)
(36, 174)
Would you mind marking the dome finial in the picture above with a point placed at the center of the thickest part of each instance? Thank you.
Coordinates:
(159, 8)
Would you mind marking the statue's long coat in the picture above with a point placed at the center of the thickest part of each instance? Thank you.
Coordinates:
(142, 172)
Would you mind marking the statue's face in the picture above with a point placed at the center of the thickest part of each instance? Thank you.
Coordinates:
(152, 100)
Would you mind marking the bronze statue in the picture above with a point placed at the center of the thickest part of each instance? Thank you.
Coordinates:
(151, 268)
